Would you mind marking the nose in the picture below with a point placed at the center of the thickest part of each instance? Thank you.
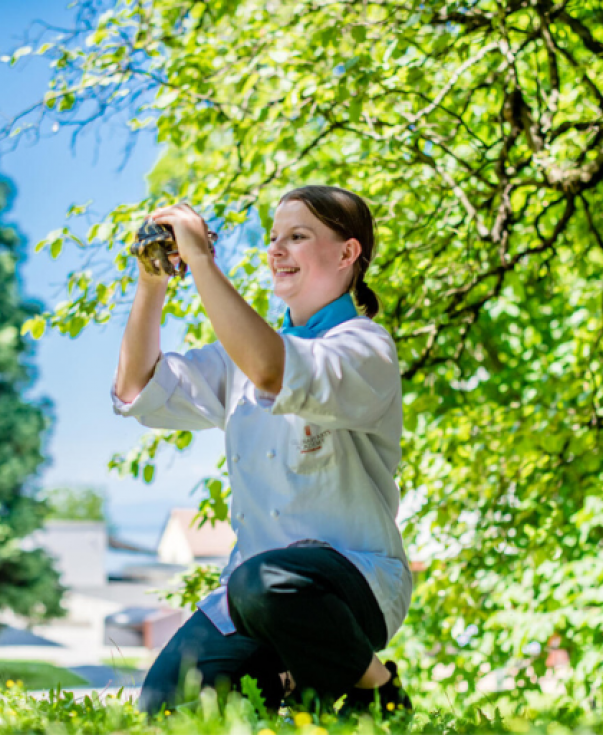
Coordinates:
(275, 248)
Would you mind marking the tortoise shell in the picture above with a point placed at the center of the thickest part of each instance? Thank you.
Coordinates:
(152, 231)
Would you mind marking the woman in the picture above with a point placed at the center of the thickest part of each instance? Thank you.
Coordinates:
(318, 580)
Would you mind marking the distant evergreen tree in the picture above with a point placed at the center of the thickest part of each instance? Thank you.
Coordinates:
(29, 585)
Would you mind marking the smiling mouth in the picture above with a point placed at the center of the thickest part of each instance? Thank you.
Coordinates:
(284, 272)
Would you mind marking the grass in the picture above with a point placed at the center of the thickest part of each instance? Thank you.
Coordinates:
(123, 663)
(37, 675)
(60, 713)
(210, 713)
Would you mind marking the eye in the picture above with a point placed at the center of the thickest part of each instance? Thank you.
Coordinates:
(272, 239)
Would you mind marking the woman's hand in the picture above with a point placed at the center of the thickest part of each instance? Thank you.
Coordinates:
(190, 230)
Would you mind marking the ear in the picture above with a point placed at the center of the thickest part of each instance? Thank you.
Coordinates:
(350, 252)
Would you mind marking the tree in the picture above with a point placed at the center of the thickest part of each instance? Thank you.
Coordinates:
(76, 504)
(28, 582)
(474, 130)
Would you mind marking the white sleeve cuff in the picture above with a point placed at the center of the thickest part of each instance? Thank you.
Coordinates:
(152, 397)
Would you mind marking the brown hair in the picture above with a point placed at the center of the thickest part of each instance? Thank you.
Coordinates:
(348, 215)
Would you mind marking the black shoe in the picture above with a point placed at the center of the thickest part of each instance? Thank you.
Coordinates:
(392, 697)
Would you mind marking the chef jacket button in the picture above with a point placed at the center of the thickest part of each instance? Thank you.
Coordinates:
(274, 513)
(235, 458)
(270, 454)
(241, 401)
(240, 516)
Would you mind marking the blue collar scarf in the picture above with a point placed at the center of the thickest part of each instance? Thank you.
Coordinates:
(329, 316)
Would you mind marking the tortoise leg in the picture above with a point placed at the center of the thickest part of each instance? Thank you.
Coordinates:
(156, 254)
(182, 269)
(165, 263)
(149, 264)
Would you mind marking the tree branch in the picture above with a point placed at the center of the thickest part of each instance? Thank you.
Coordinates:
(581, 30)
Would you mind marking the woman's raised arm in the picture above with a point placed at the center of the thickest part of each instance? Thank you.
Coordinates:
(252, 344)
(141, 343)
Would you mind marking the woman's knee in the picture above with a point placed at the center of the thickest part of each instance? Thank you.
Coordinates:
(245, 588)
(253, 590)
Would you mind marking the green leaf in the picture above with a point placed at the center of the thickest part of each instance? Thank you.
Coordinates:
(359, 33)
(50, 100)
(250, 689)
(148, 472)
(77, 209)
(36, 326)
(75, 325)
(355, 109)
(184, 439)
(56, 247)
(66, 102)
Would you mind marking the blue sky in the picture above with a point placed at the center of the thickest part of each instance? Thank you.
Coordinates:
(76, 374)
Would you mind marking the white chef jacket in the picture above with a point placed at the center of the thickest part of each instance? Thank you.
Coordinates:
(315, 461)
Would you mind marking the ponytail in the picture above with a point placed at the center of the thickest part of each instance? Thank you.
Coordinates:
(366, 298)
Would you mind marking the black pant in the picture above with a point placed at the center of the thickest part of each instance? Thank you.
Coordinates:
(304, 609)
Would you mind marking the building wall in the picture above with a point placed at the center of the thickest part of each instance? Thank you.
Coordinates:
(78, 547)
(174, 547)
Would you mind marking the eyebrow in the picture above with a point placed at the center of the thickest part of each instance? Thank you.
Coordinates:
(295, 227)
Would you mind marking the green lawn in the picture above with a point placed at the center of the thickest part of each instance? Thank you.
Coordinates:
(123, 663)
(211, 713)
(37, 675)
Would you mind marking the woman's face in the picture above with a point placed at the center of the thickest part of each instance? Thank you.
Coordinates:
(310, 265)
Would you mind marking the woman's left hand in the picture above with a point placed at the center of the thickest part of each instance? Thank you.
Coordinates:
(190, 230)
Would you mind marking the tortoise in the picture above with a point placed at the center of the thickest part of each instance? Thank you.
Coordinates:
(154, 242)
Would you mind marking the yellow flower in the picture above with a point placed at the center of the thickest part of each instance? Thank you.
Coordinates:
(9, 683)
(320, 731)
(302, 718)
(391, 706)
(19, 683)
(266, 731)
(167, 713)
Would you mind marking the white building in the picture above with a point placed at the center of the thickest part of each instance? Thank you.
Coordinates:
(78, 548)
(183, 543)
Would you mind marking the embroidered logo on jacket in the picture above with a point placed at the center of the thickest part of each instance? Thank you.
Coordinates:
(312, 442)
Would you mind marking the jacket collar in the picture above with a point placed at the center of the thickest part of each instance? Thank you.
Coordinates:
(329, 316)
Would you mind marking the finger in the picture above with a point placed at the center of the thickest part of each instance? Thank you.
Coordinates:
(161, 211)
(165, 218)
